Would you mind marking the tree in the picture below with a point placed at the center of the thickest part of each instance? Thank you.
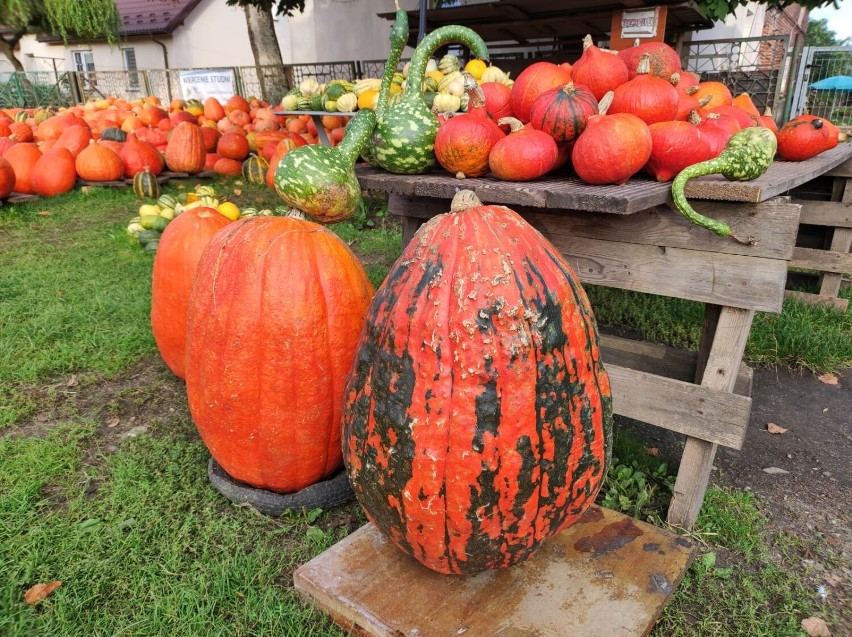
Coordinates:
(720, 9)
(80, 18)
(819, 34)
(264, 42)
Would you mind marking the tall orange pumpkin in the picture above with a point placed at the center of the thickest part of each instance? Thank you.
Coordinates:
(23, 158)
(180, 248)
(54, 173)
(185, 149)
(7, 178)
(276, 310)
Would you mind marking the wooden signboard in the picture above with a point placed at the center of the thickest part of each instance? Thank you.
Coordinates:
(647, 24)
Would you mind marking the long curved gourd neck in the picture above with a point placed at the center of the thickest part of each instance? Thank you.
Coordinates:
(449, 34)
(357, 133)
(398, 38)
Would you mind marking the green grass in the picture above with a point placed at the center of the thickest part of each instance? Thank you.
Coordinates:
(745, 582)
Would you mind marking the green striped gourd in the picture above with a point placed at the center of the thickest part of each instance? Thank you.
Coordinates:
(146, 185)
(747, 155)
(404, 139)
(255, 169)
(398, 40)
(320, 180)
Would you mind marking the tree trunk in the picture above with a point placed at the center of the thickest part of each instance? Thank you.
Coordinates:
(267, 53)
(7, 48)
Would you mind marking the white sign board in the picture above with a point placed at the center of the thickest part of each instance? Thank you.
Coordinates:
(201, 84)
(640, 23)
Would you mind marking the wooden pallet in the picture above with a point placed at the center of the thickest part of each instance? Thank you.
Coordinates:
(607, 575)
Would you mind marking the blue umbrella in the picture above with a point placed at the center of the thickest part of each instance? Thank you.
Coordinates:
(834, 83)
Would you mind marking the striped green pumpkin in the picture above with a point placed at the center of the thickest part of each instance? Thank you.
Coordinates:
(404, 139)
(115, 134)
(167, 201)
(146, 185)
(255, 169)
(22, 116)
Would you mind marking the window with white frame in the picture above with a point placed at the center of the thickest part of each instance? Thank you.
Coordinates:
(129, 55)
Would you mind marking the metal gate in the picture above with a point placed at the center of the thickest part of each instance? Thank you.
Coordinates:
(760, 66)
(824, 84)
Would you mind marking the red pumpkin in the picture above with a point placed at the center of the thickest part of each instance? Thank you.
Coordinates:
(152, 115)
(675, 145)
(228, 167)
(98, 163)
(474, 430)
(276, 310)
(612, 149)
(51, 128)
(23, 158)
(7, 178)
(745, 120)
(237, 103)
(562, 112)
(743, 101)
(284, 147)
(768, 121)
(138, 155)
(524, 154)
(684, 81)
(598, 70)
(185, 149)
(717, 131)
(211, 138)
(532, 82)
(233, 146)
(463, 143)
(213, 110)
(806, 136)
(181, 245)
(663, 60)
(687, 103)
(498, 100)
(650, 98)
(5, 144)
(210, 160)
(54, 173)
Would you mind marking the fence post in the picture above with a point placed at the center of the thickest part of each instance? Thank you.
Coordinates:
(238, 80)
(76, 94)
(146, 81)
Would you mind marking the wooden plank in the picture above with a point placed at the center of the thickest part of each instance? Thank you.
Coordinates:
(607, 575)
(774, 223)
(724, 279)
(724, 352)
(841, 170)
(825, 213)
(823, 260)
(660, 360)
(712, 415)
(841, 242)
(779, 178)
(831, 302)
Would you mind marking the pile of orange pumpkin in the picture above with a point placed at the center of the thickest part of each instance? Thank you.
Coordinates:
(44, 153)
(611, 115)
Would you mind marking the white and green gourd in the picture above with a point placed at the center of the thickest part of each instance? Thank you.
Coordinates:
(404, 139)
(747, 155)
(320, 180)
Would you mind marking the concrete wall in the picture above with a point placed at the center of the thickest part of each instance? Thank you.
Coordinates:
(746, 22)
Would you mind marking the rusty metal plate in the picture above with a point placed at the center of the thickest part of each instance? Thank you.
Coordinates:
(608, 575)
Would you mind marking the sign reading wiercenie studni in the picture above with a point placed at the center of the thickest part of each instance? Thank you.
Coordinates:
(204, 83)
(640, 23)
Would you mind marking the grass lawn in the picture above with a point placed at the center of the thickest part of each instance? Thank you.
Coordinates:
(122, 513)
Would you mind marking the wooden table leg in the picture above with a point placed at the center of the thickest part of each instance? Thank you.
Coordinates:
(841, 240)
(320, 130)
(723, 342)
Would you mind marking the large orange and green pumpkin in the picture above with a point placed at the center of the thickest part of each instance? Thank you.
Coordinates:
(477, 416)
(277, 307)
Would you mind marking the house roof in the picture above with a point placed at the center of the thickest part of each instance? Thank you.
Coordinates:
(145, 17)
(526, 21)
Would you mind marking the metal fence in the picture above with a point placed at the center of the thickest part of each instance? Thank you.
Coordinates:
(30, 89)
(763, 67)
(821, 85)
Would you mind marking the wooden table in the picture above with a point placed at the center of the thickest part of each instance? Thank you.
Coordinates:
(628, 237)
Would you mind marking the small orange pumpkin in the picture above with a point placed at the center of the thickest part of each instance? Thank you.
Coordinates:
(99, 163)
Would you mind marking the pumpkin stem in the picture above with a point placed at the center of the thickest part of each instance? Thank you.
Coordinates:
(465, 199)
(475, 95)
(515, 125)
(568, 89)
(675, 79)
(295, 213)
(704, 101)
(713, 116)
(605, 103)
(587, 42)
(636, 42)
(692, 90)
(767, 112)
(644, 66)
(695, 118)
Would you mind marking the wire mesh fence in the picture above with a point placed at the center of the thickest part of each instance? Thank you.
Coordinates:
(28, 90)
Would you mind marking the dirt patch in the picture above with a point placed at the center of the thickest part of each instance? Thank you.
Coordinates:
(138, 400)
